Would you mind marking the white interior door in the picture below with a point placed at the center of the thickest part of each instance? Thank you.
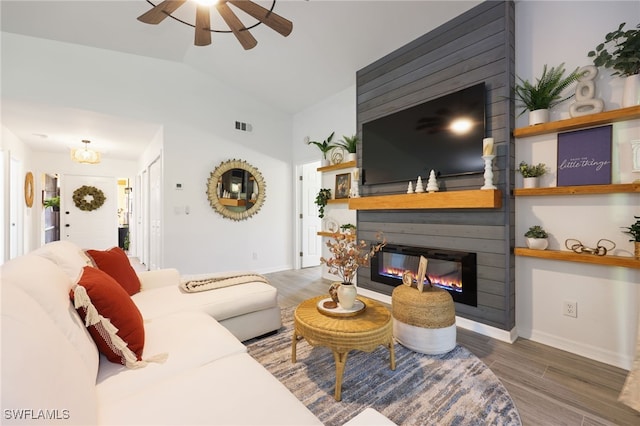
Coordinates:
(155, 215)
(15, 209)
(95, 229)
(311, 243)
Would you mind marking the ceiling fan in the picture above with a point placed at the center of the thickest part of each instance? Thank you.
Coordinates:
(203, 26)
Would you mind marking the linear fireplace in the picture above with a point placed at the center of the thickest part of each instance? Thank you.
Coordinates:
(454, 271)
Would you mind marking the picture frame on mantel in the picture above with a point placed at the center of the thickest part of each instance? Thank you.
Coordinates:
(584, 157)
(343, 185)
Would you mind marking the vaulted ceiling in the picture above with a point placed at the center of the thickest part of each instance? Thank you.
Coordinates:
(330, 41)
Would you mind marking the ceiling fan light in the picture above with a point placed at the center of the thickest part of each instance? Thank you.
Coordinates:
(207, 2)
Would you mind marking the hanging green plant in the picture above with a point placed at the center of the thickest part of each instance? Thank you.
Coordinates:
(81, 194)
(323, 197)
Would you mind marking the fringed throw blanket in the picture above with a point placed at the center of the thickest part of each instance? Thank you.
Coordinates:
(213, 282)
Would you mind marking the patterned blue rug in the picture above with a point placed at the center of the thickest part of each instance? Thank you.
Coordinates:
(452, 389)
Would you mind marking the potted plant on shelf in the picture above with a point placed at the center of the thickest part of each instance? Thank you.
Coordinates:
(350, 144)
(323, 197)
(624, 59)
(325, 146)
(537, 238)
(634, 231)
(348, 227)
(546, 93)
(531, 173)
(53, 202)
(347, 255)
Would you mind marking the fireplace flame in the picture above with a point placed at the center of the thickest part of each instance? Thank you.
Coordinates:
(446, 283)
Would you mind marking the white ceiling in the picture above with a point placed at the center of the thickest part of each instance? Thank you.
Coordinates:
(330, 41)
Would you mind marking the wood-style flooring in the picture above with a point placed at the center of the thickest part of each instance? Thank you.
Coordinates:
(549, 386)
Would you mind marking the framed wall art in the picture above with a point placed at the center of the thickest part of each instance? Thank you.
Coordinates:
(584, 157)
(343, 185)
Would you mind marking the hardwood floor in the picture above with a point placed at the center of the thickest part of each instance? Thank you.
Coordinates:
(549, 386)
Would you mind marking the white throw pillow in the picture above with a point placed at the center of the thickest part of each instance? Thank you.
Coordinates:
(67, 255)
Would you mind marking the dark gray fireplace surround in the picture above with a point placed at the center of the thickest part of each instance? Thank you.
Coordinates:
(477, 46)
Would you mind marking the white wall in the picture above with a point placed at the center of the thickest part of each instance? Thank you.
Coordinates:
(336, 114)
(608, 297)
(197, 115)
(12, 147)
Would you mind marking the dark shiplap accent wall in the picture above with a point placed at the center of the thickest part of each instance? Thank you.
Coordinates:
(476, 46)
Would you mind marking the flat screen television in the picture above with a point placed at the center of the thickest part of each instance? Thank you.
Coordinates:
(443, 134)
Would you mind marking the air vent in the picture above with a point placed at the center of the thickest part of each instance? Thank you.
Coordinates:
(245, 127)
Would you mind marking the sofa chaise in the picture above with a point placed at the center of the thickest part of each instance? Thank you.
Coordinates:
(191, 367)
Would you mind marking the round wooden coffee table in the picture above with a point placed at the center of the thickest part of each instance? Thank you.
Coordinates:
(364, 331)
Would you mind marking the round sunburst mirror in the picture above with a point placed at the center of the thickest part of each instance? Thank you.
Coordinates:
(236, 190)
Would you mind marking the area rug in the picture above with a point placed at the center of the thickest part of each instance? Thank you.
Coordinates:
(452, 389)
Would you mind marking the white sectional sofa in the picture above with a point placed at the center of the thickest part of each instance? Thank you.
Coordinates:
(53, 372)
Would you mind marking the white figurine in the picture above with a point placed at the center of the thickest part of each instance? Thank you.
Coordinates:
(432, 184)
(419, 187)
(410, 188)
(586, 102)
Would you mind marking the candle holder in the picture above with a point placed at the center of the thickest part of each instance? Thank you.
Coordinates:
(488, 172)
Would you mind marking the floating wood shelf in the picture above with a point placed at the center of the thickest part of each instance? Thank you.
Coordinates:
(467, 199)
(338, 201)
(345, 165)
(569, 256)
(591, 120)
(329, 234)
(579, 190)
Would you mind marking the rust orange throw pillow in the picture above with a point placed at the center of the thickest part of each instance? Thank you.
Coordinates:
(116, 263)
(113, 320)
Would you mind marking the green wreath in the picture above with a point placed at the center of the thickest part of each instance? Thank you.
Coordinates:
(80, 194)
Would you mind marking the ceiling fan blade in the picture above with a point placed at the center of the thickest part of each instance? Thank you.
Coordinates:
(237, 27)
(203, 25)
(160, 11)
(270, 19)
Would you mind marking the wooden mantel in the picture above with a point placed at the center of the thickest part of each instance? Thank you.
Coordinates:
(467, 199)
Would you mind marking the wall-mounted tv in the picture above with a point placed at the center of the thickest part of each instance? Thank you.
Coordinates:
(443, 134)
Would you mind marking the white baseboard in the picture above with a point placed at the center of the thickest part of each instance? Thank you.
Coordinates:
(592, 352)
(487, 330)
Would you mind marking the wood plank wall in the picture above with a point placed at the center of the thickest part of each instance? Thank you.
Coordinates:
(474, 47)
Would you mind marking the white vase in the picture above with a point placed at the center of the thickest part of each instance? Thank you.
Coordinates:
(538, 116)
(537, 243)
(530, 182)
(347, 295)
(325, 162)
(352, 156)
(631, 91)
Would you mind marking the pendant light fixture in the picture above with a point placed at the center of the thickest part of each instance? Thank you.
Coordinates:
(86, 155)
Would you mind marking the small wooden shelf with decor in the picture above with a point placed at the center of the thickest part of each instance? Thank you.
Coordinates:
(338, 201)
(232, 202)
(579, 190)
(345, 165)
(332, 234)
(569, 256)
(575, 123)
(466, 199)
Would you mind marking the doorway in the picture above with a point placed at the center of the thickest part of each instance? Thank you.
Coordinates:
(310, 224)
(51, 211)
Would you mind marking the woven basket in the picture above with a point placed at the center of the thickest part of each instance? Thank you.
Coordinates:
(432, 308)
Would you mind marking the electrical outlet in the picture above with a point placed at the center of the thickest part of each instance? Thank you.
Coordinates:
(254, 255)
(570, 309)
